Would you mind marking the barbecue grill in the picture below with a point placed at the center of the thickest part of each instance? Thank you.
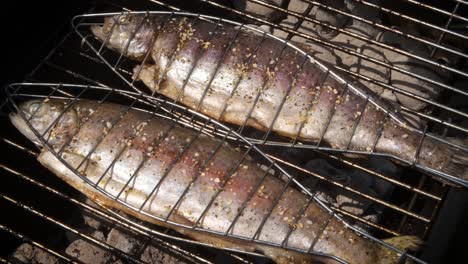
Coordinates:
(415, 207)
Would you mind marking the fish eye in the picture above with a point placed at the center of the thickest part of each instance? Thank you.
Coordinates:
(34, 107)
(37, 109)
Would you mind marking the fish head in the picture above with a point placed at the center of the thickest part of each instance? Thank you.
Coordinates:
(51, 120)
(128, 34)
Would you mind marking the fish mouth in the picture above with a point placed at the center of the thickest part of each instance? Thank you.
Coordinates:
(24, 128)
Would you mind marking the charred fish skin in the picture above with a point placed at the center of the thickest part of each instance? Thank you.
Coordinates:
(135, 155)
(215, 70)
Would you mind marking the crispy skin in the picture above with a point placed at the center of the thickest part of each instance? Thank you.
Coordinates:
(137, 137)
(199, 65)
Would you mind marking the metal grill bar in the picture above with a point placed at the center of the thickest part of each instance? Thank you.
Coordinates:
(361, 220)
(329, 119)
(96, 242)
(200, 51)
(249, 197)
(405, 186)
(218, 65)
(414, 196)
(169, 169)
(200, 170)
(316, 95)
(438, 10)
(442, 34)
(36, 244)
(322, 229)
(399, 90)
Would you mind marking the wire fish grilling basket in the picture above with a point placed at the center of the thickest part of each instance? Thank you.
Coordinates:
(403, 211)
(71, 94)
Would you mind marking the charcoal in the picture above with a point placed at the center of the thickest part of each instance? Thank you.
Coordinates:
(364, 67)
(381, 187)
(88, 252)
(350, 205)
(124, 241)
(157, 256)
(332, 18)
(413, 85)
(298, 6)
(261, 11)
(91, 219)
(366, 12)
(356, 179)
(26, 253)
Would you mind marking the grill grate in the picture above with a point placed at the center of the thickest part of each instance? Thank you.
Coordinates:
(58, 68)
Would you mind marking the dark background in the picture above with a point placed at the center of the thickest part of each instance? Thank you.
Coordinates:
(28, 28)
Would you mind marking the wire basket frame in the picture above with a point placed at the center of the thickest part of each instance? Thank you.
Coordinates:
(267, 138)
(67, 70)
(67, 62)
(73, 93)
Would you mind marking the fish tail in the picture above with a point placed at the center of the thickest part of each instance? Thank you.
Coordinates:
(386, 255)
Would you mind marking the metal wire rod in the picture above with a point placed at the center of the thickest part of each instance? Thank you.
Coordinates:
(33, 243)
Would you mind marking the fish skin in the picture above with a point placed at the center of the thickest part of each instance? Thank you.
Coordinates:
(306, 95)
(138, 136)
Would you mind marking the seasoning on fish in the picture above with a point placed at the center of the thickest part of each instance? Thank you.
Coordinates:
(139, 152)
(242, 78)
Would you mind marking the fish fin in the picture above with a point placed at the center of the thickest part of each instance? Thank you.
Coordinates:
(148, 74)
(404, 243)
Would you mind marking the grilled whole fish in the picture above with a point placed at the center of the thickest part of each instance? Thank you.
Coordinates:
(148, 146)
(244, 79)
